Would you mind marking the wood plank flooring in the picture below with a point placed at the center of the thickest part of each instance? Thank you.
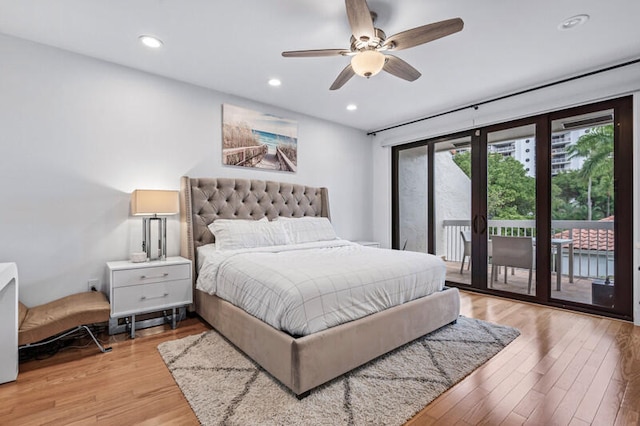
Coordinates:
(565, 368)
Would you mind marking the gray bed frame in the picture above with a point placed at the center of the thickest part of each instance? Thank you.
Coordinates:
(302, 363)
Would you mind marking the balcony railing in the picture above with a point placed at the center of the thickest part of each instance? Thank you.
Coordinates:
(560, 139)
(593, 242)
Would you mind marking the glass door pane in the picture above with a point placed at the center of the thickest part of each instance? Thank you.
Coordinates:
(452, 206)
(412, 199)
(582, 214)
(511, 209)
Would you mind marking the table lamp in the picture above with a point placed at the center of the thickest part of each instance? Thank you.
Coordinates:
(151, 204)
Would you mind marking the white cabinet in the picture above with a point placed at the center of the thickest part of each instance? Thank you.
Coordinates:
(138, 288)
(8, 322)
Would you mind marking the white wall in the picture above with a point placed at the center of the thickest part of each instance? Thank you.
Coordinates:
(78, 135)
(612, 84)
(452, 197)
(412, 199)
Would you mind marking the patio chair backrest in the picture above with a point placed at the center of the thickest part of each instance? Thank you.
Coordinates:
(512, 251)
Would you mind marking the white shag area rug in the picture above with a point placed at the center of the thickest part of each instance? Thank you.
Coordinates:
(224, 387)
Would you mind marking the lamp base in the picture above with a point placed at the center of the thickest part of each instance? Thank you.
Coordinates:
(160, 251)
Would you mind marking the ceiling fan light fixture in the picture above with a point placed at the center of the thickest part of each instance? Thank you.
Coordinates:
(367, 63)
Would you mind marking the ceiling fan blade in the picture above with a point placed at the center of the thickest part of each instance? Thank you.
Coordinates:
(424, 34)
(396, 66)
(343, 77)
(314, 53)
(360, 19)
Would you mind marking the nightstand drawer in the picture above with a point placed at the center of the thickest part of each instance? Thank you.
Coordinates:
(149, 297)
(154, 274)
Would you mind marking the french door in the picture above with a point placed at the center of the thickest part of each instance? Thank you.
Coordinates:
(532, 209)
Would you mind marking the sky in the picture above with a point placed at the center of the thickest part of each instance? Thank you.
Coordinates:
(260, 121)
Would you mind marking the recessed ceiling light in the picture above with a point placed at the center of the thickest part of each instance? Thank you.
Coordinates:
(150, 41)
(573, 22)
(274, 82)
(352, 107)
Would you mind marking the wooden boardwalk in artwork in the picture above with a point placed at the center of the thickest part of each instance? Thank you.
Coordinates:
(269, 161)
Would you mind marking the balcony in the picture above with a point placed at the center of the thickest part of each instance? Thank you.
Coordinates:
(589, 256)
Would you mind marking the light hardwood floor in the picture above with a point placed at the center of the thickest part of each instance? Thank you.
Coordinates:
(565, 368)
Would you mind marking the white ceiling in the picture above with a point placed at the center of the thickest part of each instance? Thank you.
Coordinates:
(235, 46)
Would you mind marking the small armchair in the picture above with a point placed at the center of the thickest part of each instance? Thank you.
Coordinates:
(511, 251)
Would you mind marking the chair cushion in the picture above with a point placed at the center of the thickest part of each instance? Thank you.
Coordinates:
(63, 314)
(22, 313)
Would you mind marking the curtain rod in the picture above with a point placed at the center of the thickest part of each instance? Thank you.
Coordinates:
(499, 98)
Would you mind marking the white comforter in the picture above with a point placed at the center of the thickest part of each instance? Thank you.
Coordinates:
(305, 288)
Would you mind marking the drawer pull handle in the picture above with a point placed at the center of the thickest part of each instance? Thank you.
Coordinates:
(144, 277)
(155, 297)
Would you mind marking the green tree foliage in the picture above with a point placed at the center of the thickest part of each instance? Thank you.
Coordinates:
(511, 194)
(568, 196)
(584, 194)
(596, 147)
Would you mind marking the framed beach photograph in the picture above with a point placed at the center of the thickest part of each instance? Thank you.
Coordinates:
(258, 140)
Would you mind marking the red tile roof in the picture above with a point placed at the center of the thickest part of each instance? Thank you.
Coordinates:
(591, 239)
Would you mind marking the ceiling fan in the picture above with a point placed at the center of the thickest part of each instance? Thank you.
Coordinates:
(368, 44)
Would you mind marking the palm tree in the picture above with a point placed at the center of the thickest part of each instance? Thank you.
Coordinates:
(596, 146)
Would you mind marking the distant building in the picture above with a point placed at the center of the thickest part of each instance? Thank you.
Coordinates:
(524, 151)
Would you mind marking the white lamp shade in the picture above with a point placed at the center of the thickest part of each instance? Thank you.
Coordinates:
(146, 202)
(367, 63)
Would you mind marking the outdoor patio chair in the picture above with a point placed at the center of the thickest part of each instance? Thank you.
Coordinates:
(516, 252)
(466, 241)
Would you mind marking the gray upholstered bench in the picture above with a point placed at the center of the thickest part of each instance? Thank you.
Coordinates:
(66, 315)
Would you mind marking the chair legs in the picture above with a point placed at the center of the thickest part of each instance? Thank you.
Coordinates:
(73, 330)
(495, 272)
(468, 264)
(492, 276)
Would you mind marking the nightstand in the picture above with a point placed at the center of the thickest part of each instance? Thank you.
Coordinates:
(141, 288)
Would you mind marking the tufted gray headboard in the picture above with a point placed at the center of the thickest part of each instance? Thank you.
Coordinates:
(202, 200)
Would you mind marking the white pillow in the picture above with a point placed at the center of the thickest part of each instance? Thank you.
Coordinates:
(233, 234)
(308, 229)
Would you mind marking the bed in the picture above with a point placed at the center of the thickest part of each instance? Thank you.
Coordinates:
(299, 362)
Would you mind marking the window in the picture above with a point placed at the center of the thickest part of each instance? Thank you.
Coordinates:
(580, 240)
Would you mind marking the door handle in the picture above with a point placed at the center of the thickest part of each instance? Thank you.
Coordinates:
(484, 224)
(475, 224)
